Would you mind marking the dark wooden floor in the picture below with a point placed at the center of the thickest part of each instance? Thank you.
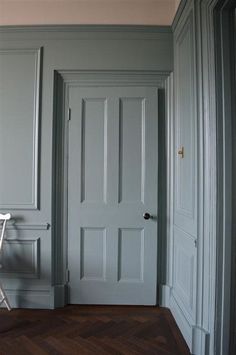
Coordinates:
(97, 330)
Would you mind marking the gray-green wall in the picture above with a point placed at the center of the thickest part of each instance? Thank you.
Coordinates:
(28, 59)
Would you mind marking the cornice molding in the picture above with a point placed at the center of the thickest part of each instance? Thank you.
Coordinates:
(86, 28)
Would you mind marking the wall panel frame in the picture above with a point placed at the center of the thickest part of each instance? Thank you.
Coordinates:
(24, 54)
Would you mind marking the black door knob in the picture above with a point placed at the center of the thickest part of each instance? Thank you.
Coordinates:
(147, 215)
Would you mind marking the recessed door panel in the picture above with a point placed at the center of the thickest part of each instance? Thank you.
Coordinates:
(112, 182)
(130, 255)
(132, 145)
(93, 150)
(92, 254)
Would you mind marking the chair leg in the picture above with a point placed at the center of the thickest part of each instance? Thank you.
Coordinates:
(4, 298)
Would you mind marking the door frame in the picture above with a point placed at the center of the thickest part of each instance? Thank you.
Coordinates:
(63, 80)
(225, 55)
(215, 119)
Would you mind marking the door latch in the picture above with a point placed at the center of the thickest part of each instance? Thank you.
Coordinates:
(181, 152)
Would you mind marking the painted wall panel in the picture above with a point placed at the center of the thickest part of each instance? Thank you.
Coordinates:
(20, 258)
(184, 272)
(183, 295)
(19, 116)
(185, 128)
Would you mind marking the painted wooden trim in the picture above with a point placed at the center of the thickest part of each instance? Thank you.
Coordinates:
(59, 293)
(54, 32)
(207, 170)
(178, 14)
(111, 78)
(200, 341)
(88, 28)
(59, 183)
(29, 297)
(213, 272)
(28, 226)
(166, 279)
(224, 116)
(37, 96)
(165, 294)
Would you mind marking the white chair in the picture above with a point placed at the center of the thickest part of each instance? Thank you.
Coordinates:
(4, 218)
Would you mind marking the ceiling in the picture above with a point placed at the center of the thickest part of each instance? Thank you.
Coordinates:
(116, 12)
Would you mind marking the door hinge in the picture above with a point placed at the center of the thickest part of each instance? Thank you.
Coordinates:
(69, 114)
(67, 275)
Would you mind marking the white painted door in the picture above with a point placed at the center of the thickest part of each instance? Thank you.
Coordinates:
(112, 182)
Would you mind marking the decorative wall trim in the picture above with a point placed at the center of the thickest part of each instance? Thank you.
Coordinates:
(59, 293)
(15, 271)
(182, 322)
(28, 226)
(87, 28)
(34, 204)
(222, 116)
(200, 341)
(170, 178)
(178, 14)
(114, 78)
(29, 297)
(165, 292)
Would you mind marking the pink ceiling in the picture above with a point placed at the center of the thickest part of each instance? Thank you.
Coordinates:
(119, 12)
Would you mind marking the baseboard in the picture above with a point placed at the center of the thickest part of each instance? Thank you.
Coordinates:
(201, 341)
(165, 291)
(29, 298)
(183, 324)
(59, 296)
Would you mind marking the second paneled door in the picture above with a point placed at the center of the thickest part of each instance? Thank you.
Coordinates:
(112, 182)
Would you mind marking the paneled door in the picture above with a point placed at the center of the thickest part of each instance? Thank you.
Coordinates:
(112, 183)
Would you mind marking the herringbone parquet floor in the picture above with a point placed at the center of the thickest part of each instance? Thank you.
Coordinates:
(86, 330)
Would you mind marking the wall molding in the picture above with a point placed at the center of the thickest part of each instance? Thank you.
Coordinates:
(114, 78)
(28, 226)
(34, 204)
(15, 272)
(200, 340)
(222, 13)
(59, 296)
(165, 293)
(29, 297)
(83, 32)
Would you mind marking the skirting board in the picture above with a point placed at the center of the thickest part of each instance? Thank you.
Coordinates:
(29, 298)
(198, 339)
(59, 296)
(201, 341)
(165, 292)
(183, 324)
(47, 298)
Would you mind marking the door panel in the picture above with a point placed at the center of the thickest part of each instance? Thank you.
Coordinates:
(93, 137)
(132, 128)
(130, 255)
(112, 181)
